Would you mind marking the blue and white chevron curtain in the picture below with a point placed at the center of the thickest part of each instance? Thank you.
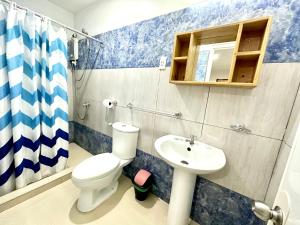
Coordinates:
(33, 99)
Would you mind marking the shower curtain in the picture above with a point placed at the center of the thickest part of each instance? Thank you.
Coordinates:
(33, 99)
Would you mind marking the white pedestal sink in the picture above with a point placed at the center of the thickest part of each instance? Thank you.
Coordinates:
(188, 160)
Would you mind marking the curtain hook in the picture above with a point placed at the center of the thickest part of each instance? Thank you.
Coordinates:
(45, 19)
(13, 5)
(29, 12)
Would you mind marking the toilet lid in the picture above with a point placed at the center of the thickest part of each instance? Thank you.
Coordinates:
(126, 128)
(97, 166)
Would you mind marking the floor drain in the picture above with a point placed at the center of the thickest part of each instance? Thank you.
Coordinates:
(184, 162)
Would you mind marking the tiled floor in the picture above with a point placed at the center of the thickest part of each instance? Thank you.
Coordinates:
(57, 206)
(76, 155)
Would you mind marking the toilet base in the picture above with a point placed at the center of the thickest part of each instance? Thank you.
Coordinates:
(91, 199)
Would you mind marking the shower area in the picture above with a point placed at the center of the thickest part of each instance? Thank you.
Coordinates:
(37, 55)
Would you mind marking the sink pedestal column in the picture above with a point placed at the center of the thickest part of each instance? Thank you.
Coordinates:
(181, 197)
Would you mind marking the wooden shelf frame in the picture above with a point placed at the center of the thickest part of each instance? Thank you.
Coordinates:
(250, 36)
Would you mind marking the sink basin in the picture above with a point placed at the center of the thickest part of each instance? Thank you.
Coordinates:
(188, 160)
(198, 158)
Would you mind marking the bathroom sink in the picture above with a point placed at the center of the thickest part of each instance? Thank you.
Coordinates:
(189, 158)
(198, 158)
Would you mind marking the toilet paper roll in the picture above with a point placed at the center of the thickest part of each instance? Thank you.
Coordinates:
(108, 103)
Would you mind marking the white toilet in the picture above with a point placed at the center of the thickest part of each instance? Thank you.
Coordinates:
(97, 176)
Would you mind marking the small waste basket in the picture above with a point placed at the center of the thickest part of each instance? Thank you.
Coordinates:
(142, 183)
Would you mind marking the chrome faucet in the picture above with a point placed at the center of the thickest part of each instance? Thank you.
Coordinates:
(191, 140)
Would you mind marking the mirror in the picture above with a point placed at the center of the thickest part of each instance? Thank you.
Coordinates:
(213, 61)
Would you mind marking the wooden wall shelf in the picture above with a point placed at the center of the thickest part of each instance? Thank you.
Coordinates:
(250, 38)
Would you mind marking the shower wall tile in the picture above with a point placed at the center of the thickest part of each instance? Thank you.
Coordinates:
(294, 122)
(189, 100)
(135, 85)
(250, 160)
(95, 118)
(265, 109)
(92, 118)
(277, 173)
(87, 84)
(166, 125)
(143, 43)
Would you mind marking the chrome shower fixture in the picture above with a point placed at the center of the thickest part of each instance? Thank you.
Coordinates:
(73, 53)
(85, 107)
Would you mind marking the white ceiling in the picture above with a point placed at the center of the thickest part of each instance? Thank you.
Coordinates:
(73, 5)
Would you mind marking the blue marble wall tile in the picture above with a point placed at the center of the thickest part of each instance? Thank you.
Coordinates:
(212, 203)
(71, 131)
(216, 205)
(91, 140)
(141, 44)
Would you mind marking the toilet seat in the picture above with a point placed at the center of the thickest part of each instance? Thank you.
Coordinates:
(96, 167)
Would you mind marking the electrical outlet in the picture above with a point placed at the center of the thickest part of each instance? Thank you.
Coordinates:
(162, 63)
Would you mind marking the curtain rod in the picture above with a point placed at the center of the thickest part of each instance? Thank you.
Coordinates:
(54, 21)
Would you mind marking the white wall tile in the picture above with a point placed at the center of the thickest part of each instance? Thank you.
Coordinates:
(293, 122)
(93, 116)
(142, 120)
(277, 173)
(250, 160)
(189, 100)
(167, 125)
(88, 84)
(264, 109)
(136, 85)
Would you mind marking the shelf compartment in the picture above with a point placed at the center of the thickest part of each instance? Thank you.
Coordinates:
(248, 55)
(182, 45)
(226, 84)
(251, 38)
(179, 70)
(181, 59)
(245, 69)
(252, 35)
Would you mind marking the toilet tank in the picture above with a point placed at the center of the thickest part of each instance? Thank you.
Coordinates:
(124, 140)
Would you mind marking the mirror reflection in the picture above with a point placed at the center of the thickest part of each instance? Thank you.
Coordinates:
(213, 61)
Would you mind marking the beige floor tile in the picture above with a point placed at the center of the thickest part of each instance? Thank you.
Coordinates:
(77, 155)
(57, 206)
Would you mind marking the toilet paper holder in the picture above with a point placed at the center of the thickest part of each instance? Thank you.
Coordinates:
(110, 103)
